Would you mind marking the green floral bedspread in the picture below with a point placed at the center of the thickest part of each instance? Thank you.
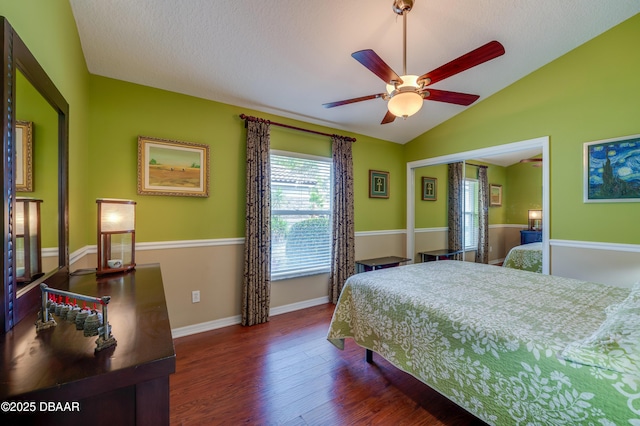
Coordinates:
(489, 339)
(527, 257)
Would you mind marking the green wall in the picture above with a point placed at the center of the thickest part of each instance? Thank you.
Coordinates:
(591, 93)
(121, 111)
(49, 30)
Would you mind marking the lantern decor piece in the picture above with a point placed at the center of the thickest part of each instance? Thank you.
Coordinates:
(116, 235)
(28, 243)
(535, 220)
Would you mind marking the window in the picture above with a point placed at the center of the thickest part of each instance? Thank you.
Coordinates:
(300, 215)
(471, 214)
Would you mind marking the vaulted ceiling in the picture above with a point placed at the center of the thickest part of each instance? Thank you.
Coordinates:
(288, 57)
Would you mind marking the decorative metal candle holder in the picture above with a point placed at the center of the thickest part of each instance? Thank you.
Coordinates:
(45, 320)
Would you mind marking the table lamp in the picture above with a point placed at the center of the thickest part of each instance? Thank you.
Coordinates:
(28, 242)
(535, 220)
(116, 235)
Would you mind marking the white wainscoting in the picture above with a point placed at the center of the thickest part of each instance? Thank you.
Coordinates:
(608, 263)
(220, 277)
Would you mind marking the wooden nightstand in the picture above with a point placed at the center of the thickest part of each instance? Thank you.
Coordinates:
(379, 263)
(444, 254)
(527, 237)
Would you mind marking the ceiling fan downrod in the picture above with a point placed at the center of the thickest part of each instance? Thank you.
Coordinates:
(402, 7)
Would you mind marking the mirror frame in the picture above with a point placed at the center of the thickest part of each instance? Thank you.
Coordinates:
(16, 56)
(540, 142)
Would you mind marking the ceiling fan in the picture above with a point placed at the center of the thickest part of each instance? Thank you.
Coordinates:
(537, 162)
(406, 93)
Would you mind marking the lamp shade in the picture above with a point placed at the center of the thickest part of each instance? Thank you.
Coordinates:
(117, 216)
(535, 214)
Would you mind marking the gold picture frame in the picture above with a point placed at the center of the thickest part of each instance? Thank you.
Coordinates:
(169, 167)
(24, 156)
(495, 195)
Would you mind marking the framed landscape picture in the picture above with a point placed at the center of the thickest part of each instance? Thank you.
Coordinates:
(378, 184)
(612, 170)
(24, 156)
(167, 167)
(495, 195)
(429, 189)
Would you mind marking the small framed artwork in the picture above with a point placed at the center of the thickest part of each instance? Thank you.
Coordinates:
(612, 170)
(378, 184)
(167, 167)
(495, 195)
(429, 189)
(24, 156)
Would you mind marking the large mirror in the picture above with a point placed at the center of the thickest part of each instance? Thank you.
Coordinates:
(36, 114)
(516, 176)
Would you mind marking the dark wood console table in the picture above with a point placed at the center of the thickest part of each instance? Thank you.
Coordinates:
(123, 385)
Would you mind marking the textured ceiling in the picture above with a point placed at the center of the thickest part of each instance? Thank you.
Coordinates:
(288, 57)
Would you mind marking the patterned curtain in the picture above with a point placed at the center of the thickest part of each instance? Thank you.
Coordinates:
(482, 253)
(455, 195)
(343, 233)
(256, 282)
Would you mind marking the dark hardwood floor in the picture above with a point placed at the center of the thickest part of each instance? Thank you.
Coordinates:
(285, 372)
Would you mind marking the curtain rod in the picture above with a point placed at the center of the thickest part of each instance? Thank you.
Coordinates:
(251, 118)
(476, 165)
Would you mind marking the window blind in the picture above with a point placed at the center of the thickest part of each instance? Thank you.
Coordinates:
(300, 216)
(471, 214)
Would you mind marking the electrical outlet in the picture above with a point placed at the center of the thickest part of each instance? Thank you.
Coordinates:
(195, 296)
(490, 249)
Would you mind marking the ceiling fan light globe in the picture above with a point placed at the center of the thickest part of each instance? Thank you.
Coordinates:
(405, 104)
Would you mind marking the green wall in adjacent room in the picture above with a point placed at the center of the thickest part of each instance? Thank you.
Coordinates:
(591, 93)
(121, 111)
(32, 107)
(524, 192)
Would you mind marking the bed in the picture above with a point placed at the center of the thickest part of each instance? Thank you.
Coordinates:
(512, 347)
(527, 257)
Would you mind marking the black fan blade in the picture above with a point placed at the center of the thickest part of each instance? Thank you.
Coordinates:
(449, 97)
(482, 54)
(350, 101)
(376, 65)
(388, 118)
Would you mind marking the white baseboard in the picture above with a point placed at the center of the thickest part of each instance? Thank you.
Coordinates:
(237, 319)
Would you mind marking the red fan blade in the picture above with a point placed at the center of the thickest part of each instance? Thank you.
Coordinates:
(482, 54)
(388, 118)
(376, 65)
(449, 97)
(350, 101)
